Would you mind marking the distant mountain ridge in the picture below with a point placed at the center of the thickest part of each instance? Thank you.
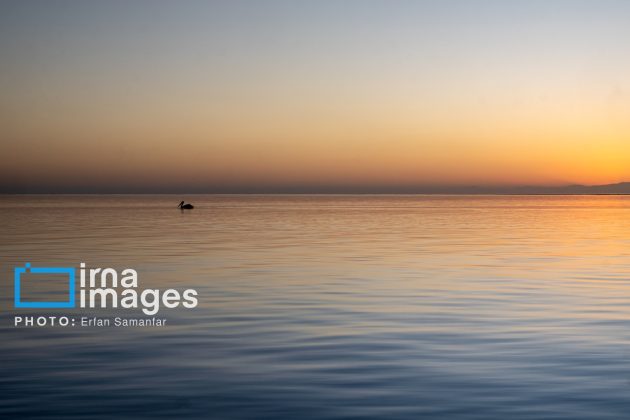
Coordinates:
(618, 188)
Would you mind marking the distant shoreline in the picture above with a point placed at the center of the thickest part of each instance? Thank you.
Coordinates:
(320, 194)
(622, 188)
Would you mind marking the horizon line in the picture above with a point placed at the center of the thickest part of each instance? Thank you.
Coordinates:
(620, 188)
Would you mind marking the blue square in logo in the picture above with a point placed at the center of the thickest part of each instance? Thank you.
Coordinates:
(69, 271)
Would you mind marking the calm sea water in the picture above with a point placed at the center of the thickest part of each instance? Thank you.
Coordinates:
(459, 307)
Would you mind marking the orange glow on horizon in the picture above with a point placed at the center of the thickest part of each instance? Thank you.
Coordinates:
(448, 102)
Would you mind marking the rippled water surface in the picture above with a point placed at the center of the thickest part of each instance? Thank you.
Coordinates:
(484, 307)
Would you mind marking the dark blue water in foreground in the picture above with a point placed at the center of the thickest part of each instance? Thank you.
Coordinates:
(392, 307)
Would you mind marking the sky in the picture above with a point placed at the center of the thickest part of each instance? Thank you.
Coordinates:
(238, 96)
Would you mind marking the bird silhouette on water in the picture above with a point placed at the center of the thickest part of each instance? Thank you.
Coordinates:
(185, 206)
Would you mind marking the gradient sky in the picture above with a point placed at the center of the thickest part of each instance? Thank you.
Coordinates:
(206, 96)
